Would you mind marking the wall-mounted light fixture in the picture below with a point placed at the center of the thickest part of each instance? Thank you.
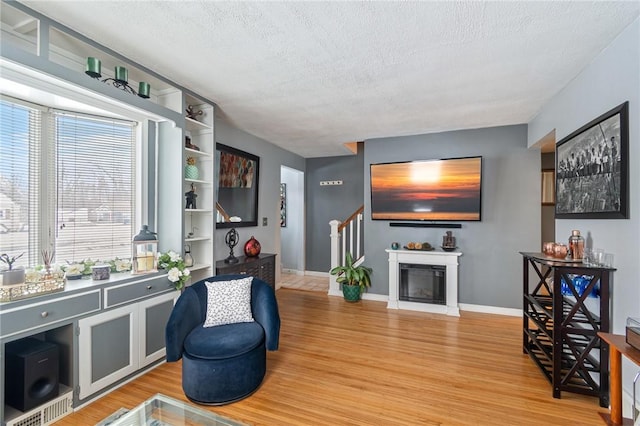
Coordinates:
(121, 80)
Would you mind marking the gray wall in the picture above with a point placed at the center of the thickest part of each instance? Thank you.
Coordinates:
(272, 158)
(292, 235)
(490, 267)
(611, 79)
(325, 203)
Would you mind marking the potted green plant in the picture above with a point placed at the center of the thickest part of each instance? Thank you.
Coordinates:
(11, 276)
(354, 279)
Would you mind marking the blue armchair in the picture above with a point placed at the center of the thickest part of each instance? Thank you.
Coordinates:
(225, 363)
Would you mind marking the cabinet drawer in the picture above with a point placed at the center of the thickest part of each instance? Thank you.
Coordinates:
(126, 293)
(39, 314)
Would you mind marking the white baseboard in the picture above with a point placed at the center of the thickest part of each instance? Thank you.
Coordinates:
(317, 274)
(337, 293)
(292, 271)
(376, 297)
(512, 312)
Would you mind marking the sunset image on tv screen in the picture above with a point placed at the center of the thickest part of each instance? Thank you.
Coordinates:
(427, 190)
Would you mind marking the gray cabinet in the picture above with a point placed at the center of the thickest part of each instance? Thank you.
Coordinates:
(117, 343)
(45, 313)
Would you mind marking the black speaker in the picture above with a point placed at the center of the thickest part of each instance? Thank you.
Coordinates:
(31, 373)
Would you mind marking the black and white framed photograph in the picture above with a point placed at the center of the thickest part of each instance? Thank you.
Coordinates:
(283, 205)
(592, 169)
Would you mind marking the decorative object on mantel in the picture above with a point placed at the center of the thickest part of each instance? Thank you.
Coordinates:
(354, 279)
(252, 247)
(94, 70)
(144, 252)
(231, 240)
(10, 275)
(191, 170)
(395, 245)
(191, 198)
(418, 246)
(449, 242)
(192, 113)
(175, 266)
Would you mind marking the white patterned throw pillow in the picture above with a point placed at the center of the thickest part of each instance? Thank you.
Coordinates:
(228, 302)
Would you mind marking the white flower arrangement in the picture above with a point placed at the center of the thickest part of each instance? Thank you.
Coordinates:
(177, 272)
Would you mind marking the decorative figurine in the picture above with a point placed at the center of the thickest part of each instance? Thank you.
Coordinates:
(191, 113)
(191, 198)
(449, 242)
(231, 240)
(188, 144)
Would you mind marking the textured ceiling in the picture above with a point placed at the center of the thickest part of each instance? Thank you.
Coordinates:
(310, 76)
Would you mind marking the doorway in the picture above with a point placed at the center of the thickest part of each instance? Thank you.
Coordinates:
(292, 221)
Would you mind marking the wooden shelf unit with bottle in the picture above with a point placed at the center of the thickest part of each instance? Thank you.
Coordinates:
(562, 316)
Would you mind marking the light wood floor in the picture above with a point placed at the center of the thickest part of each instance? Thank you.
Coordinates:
(303, 282)
(361, 364)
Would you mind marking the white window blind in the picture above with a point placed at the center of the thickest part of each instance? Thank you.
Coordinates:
(20, 164)
(95, 187)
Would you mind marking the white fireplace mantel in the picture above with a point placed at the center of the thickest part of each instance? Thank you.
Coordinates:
(419, 257)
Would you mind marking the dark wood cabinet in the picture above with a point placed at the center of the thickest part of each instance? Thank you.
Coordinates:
(263, 267)
(563, 314)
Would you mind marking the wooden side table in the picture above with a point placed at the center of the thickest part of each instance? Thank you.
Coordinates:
(618, 347)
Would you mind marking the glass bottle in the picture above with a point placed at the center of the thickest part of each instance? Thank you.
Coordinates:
(576, 245)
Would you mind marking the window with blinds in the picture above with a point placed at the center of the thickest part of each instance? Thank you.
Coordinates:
(20, 163)
(94, 197)
(67, 181)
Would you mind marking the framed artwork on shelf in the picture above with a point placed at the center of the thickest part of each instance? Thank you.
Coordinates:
(592, 169)
(283, 205)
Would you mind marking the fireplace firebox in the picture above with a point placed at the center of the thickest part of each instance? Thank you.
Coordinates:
(423, 283)
(441, 265)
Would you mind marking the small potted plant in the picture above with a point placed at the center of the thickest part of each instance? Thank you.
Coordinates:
(11, 275)
(354, 279)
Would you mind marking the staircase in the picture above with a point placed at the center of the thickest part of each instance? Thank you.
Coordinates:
(346, 236)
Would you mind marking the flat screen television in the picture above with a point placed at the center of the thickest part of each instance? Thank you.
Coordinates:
(428, 190)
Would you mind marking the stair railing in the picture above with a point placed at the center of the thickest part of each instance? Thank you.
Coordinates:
(345, 237)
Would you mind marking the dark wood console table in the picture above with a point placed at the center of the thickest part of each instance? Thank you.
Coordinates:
(617, 347)
(263, 267)
(560, 331)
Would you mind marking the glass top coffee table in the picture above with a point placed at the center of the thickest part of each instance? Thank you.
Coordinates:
(160, 410)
